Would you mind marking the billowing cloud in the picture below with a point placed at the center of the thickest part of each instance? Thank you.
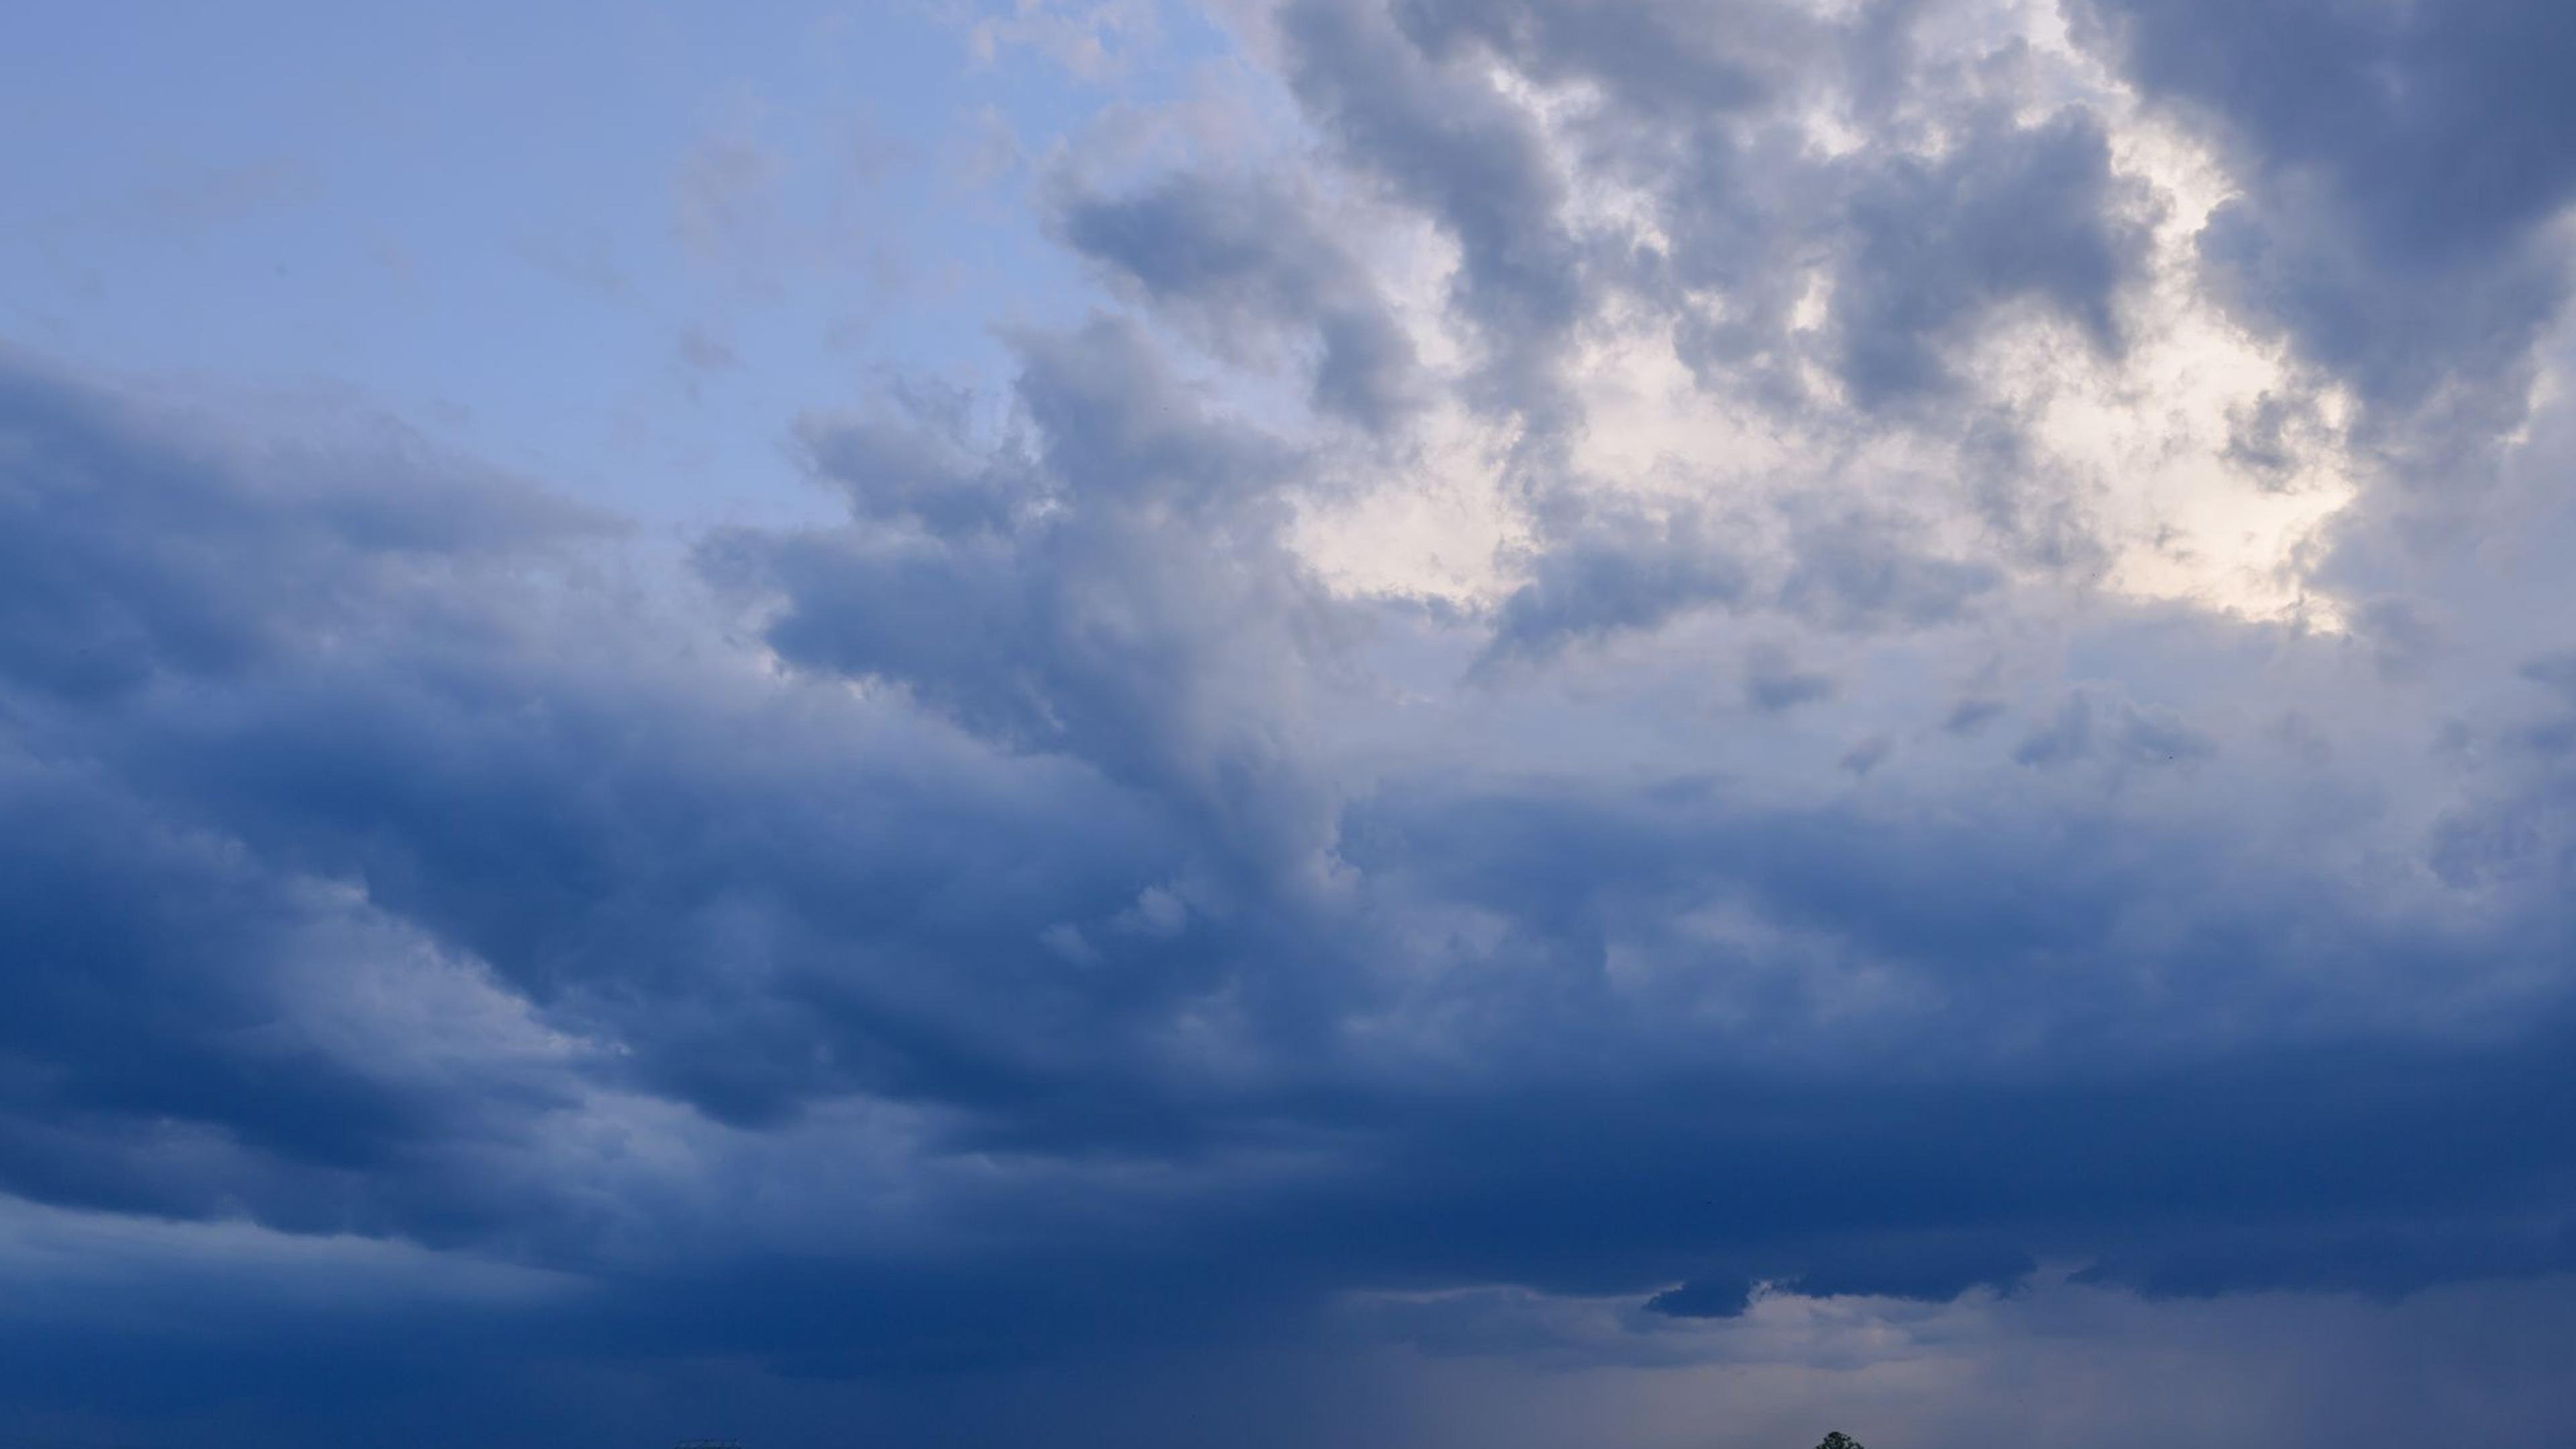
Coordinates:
(1950, 835)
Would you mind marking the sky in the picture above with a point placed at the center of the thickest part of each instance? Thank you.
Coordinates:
(1658, 724)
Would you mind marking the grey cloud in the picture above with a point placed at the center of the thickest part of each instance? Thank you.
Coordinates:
(1971, 715)
(766, 929)
(2011, 212)
(381, 721)
(1620, 572)
(1857, 572)
(2511, 832)
(1470, 1026)
(1867, 755)
(2400, 158)
(376, 878)
(1918, 250)
(2430, 126)
(913, 455)
(120, 554)
(2086, 727)
(1697, 116)
(1246, 257)
(1143, 612)
(1774, 684)
(1447, 141)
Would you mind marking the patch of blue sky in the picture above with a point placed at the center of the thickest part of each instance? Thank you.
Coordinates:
(614, 247)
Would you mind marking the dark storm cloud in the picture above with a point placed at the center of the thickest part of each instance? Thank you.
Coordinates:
(121, 555)
(1628, 1163)
(2435, 128)
(773, 901)
(408, 728)
(762, 920)
(2400, 159)
(152, 962)
(144, 965)
(1027, 920)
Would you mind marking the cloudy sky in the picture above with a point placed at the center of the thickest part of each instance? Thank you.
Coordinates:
(1637, 723)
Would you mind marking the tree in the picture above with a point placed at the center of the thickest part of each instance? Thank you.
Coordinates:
(1839, 1440)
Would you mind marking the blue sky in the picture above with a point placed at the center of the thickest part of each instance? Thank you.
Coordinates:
(608, 246)
(1381, 722)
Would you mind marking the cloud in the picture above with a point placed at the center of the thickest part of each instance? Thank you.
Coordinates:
(1774, 684)
(2012, 212)
(1445, 140)
(1243, 260)
(2399, 176)
(1089, 38)
(1622, 572)
(1814, 927)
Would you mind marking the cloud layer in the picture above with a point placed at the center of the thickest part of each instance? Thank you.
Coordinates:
(1850, 703)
